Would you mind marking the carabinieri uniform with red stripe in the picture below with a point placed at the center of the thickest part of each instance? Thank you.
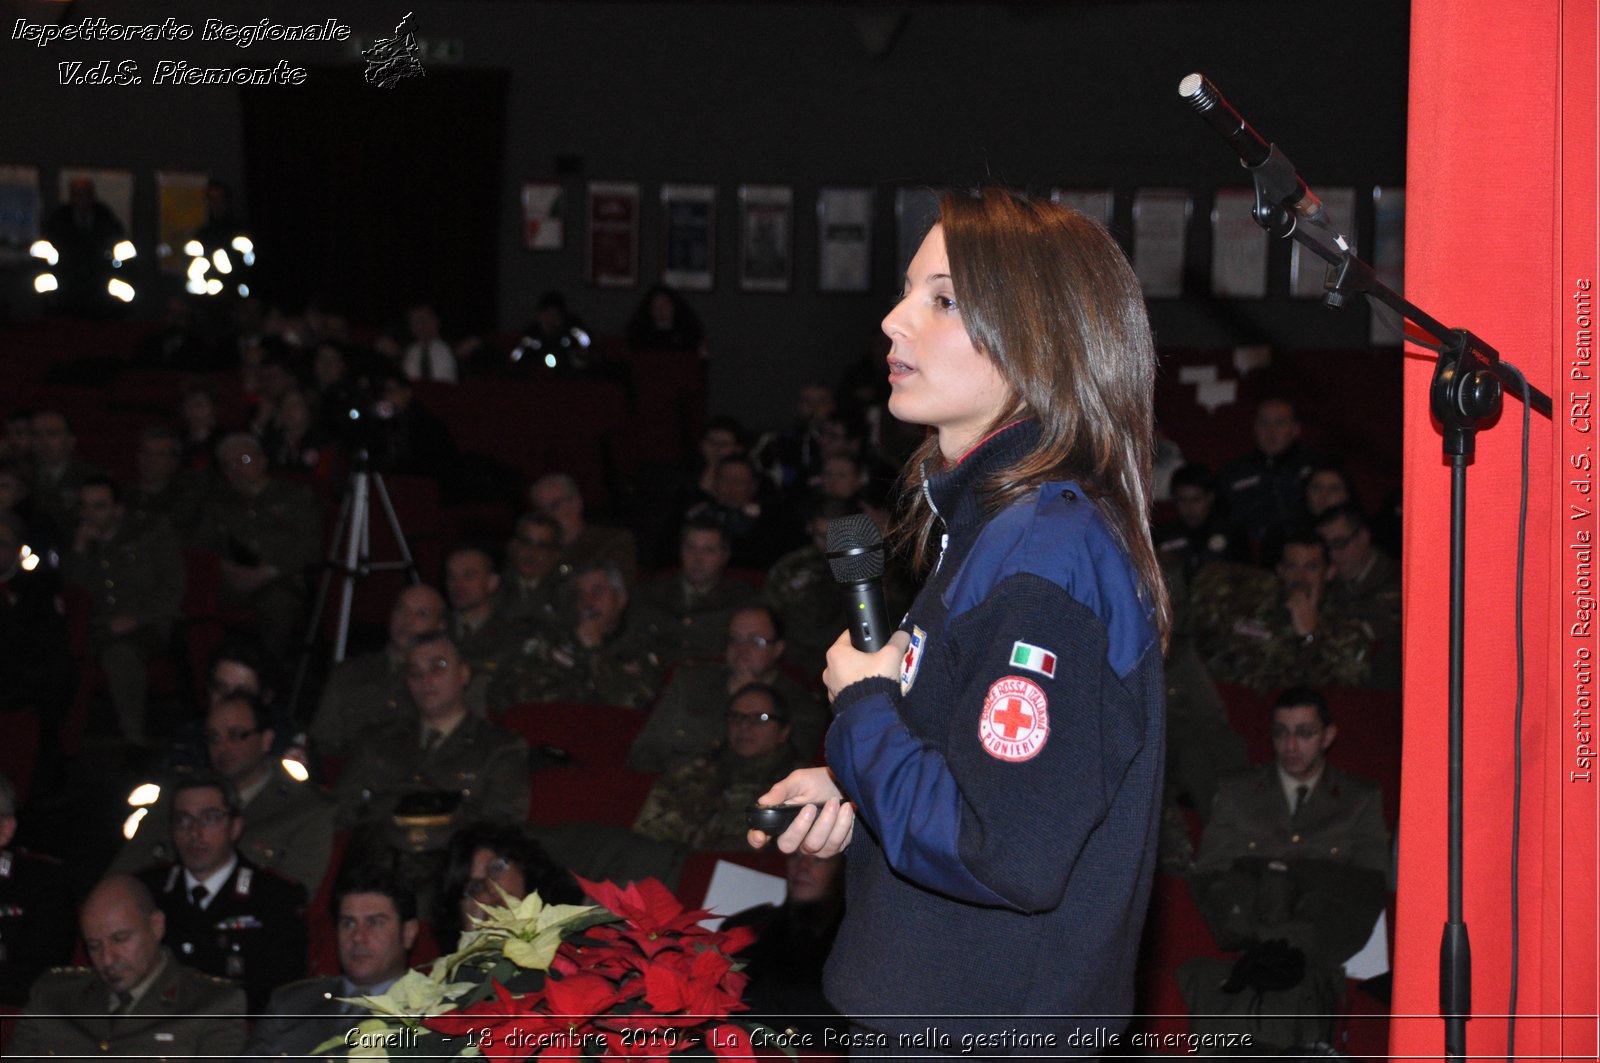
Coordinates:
(1009, 785)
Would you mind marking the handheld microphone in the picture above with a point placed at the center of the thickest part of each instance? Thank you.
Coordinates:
(855, 554)
(1254, 151)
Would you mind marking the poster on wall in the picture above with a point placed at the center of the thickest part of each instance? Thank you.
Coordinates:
(915, 210)
(613, 246)
(1238, 246)
(1160, 230)
(688, 236)
(543, 228)
(1095, 202)
(844, 239)
(181, 211)
(114, 188)
(19, 211)
(766, 231)
(1307, 270)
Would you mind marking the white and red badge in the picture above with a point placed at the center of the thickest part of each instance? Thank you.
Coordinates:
(1015, 720)
(912, 659)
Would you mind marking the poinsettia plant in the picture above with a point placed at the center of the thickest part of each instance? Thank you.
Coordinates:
(635, 977)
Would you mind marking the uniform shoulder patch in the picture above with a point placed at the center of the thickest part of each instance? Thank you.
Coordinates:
(1016, 720)
(912, 659)
(1033, 658)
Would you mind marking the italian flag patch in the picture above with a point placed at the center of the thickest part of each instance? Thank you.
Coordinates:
(1033, 658)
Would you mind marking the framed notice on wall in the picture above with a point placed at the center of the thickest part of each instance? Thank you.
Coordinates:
(19, 211)
(688, 236)
(1160, 232)
(612, 250)
(543, 227)
(181, 202)
(844, 239)
(114, 188)
(1238, 246)
(766, 237)
(1095, 202)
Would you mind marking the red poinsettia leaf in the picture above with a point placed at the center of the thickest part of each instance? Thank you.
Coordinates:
(735, 940)
(580, 996)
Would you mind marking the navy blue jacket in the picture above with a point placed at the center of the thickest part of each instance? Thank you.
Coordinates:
(1010, 783)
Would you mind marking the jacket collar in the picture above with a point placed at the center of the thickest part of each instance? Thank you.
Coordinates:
(954, 490)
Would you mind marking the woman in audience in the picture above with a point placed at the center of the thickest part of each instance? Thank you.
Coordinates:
(484, 856)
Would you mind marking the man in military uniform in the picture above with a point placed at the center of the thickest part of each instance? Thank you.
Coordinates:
(57, 471)
(488, 639)
(1295, 851)
(375, 919)
(702, 803)
(605, 657)
(582, 543)
(694, 604)
(225, 915)
(535, 591)
(1266, 488)
(1199, 534)
(136, 999)
(370, 690)
(132, 570)
(164, 488)
(1268, 632)
(690, 720)
(288, 824)
(268, 532)
(1365, 585)
(35, 914)
(442, 747)
(803, 595)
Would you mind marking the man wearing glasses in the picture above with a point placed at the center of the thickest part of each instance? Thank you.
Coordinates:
(688, 721)
(288, 823)
(702, 803)
(225, 915)
(535, 591)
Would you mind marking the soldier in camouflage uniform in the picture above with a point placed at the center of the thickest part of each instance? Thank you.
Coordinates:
(136, 999)
(370, 690)
(1365, 585)
(605, 658)
(133, 572)
(535, 588)
(702, 804)
(268, 532)
(1267, 632)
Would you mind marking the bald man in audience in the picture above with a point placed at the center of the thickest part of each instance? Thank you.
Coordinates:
(135, 999)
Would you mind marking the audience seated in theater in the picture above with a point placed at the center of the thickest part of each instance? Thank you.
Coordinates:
(35, 908)
(557, 497)
(1365, 584)
(759, 528)
(723, 437)
(287, 822)
(369, 691)
(225, 915)
(57, 471)
(784, 965)
(483, 856)
(132, 571)
(663, 320)
(534, 591)
(410, 785)
(292, 440)
(135, 999)
(375, 924)
(702, 803)
(268, 531)
(180, 344)
(802, 593)
(35, 665)
(1269, 630)
(489, 640)
(427, 356)
(1201, 532)
(695, 602)
(1265, 488)
(202, 426)
(604, 657)
(691, 720)
(1327, 486)
(794, 456)
(1292, 868)
(403, 436)
(163, 487)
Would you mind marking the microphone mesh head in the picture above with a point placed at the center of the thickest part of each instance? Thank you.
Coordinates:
(855, 549)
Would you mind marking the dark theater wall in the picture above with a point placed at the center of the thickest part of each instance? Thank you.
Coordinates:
(804, 94)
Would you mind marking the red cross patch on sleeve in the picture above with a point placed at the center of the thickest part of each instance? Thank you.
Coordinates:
(1015, 720)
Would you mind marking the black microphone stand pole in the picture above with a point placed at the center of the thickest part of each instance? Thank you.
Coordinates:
(1466, 395)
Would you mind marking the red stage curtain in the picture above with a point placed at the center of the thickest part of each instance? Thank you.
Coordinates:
(1501, 238)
